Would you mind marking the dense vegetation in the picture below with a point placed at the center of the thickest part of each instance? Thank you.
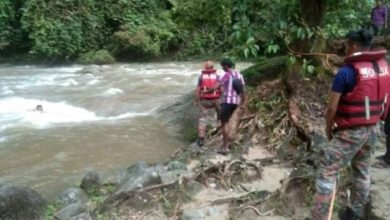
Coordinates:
(60, 30)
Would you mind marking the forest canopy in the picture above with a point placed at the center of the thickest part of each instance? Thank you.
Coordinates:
(58, 30)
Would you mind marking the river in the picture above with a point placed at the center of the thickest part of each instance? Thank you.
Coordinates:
(94, 117)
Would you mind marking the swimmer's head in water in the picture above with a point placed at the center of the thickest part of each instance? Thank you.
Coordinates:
(39, 108)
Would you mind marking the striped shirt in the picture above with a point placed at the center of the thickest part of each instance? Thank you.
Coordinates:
(229, 95)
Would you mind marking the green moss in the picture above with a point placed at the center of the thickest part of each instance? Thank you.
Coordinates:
(97, 57)
(190, 133)
(50, 211)
(265, 69)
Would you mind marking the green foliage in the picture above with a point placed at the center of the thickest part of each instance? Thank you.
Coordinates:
(145, 28)
(50, 211)
(264, 23)
(6, 18)
(63, 29)
(308, 68)
(346, 15)
(190, 133)
(97, 57)
(128, 29)
(275, 23)
(203, 26)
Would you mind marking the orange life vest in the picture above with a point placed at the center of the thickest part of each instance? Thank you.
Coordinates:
(209, 79)
(365, 104)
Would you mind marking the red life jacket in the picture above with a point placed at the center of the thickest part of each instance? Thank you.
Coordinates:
(365, 104)
(209, 80)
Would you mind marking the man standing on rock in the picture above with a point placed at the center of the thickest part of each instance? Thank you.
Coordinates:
(233, 96)
(208, 102)
(356, 104)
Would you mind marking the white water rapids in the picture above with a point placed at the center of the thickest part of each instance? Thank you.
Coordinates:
(94, 117)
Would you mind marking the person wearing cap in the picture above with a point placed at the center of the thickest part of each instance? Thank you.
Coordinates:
(355, 107)
(208, 102)
(379, 17)
(233, 96)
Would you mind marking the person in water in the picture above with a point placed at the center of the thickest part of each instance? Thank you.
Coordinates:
(39, 108)
(233, 96)
(208, 102)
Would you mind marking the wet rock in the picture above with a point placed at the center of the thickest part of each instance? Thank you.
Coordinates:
(73, 195)
(83, 216)
(112, 180)
(195, 214)
(173, 176)
(214, 212)
(91, 181)
(134, 170)
(183, 114)
(138, 176)
(159, 168)
(20, 203)
(176, 165)
(70, 211)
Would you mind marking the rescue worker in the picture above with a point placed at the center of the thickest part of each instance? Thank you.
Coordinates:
(208, 102)
(233, 96)
(355, 107)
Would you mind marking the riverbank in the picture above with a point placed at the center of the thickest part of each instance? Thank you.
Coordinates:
(269, 174)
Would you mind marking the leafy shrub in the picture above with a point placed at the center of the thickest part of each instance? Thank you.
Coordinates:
(97, 57)
(203, 27)
(145, 29)
(6, 18)
(63, 29)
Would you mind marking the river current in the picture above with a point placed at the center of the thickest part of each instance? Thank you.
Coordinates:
(94, 117)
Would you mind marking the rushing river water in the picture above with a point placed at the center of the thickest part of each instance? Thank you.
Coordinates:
(94, 117)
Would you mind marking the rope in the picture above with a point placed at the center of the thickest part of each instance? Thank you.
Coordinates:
(327, 55)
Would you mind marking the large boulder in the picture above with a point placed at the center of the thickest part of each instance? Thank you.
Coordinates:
(176, 165)
(91, 181)
(138, 176)
(20, 203)
(73, 195)
(174, 175)
(182, 117)
(71, 210)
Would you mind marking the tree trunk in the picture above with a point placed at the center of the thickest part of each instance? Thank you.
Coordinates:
(312, 15)
(313, 12)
